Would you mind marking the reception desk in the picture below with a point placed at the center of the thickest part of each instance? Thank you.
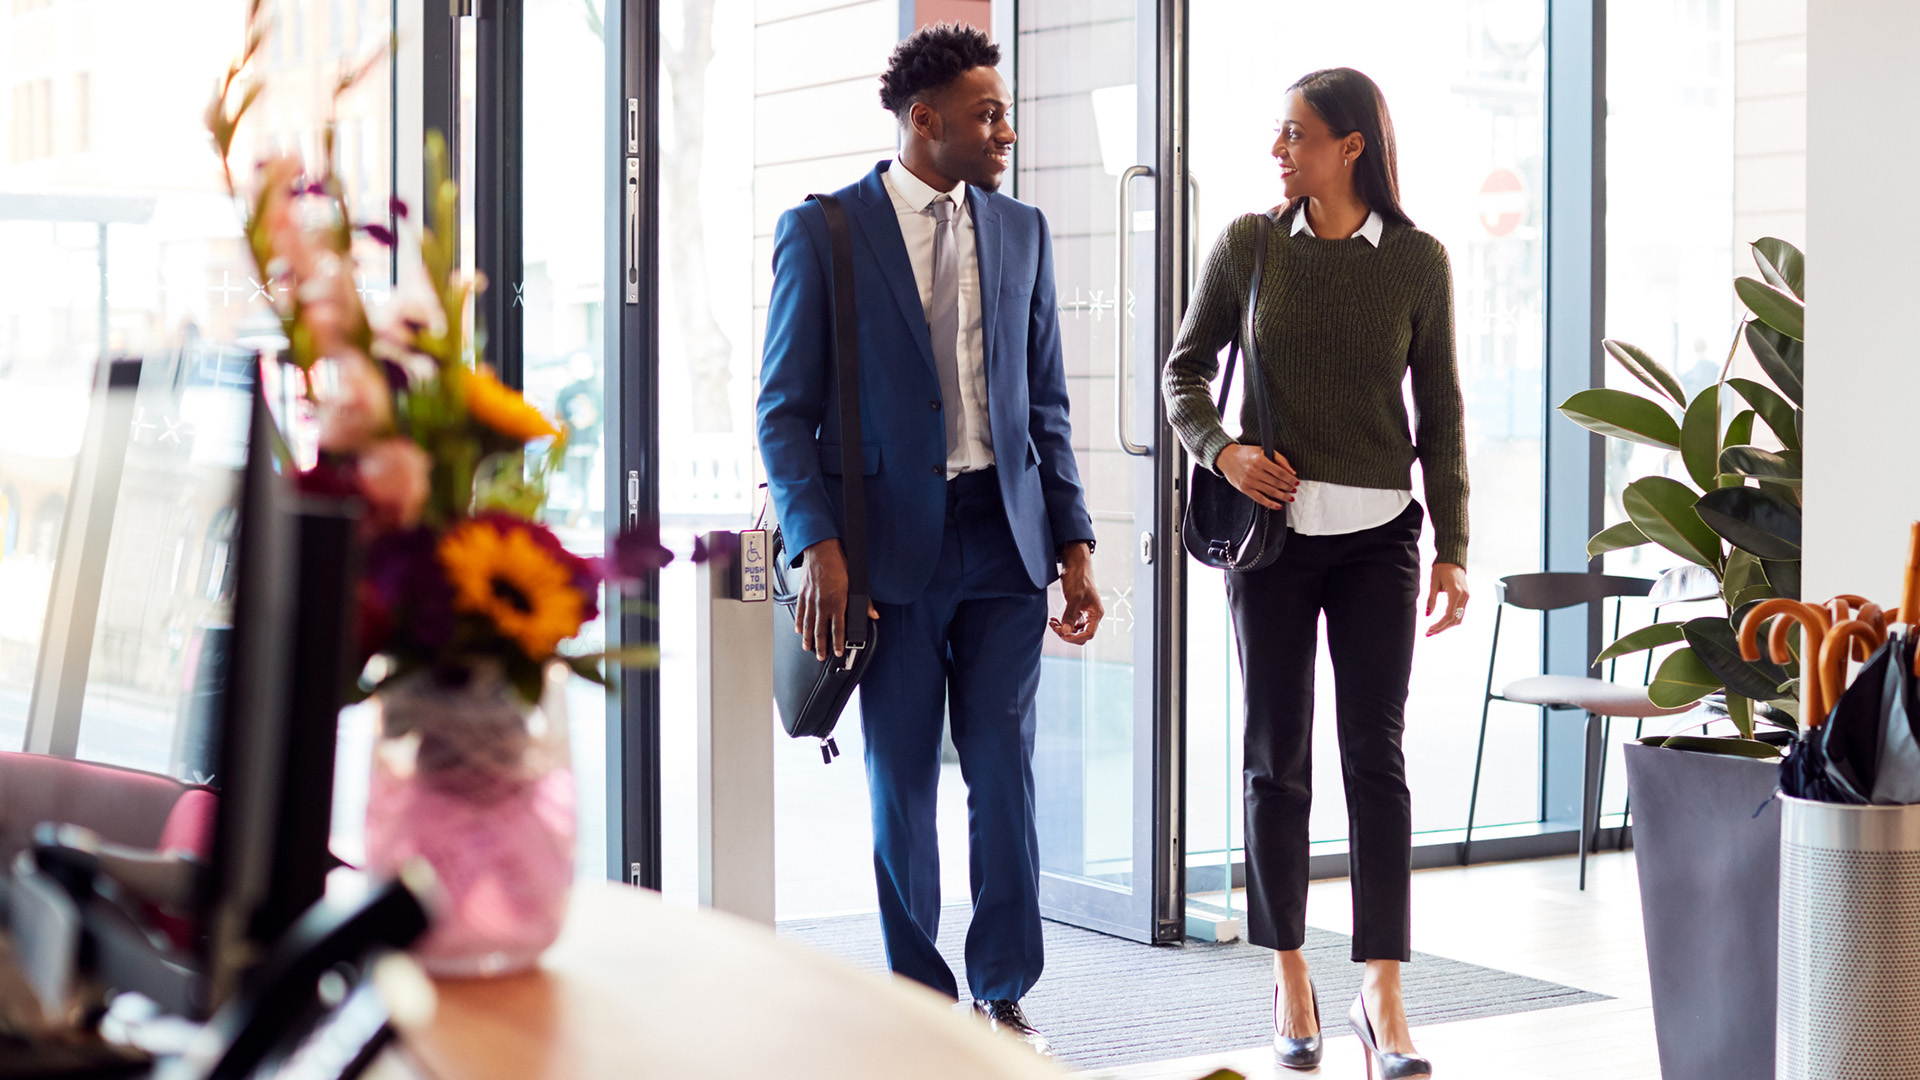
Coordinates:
(640, 987)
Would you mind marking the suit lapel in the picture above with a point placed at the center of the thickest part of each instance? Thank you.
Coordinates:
(880, 226)
(986, 240)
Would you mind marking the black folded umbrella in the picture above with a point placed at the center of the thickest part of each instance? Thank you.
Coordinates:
(1896, 779)
(1868, 748)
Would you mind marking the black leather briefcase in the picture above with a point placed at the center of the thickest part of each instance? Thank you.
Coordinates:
(1223, 528)
(810, 692)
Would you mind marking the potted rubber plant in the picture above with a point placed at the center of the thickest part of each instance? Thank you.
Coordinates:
(1706, 830)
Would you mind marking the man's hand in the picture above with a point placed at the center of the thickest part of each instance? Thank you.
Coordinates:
(1076, 625)
(1450, 579)
(821, 613)
(1267, 481)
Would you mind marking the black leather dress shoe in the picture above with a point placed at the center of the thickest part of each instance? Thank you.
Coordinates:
(1289, 1051)
(1004, 1015)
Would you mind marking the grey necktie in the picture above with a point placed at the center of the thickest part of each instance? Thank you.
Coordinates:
(943, 316)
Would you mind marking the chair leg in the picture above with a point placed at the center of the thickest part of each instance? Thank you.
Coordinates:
(1473, 798)
(1600, 789)
(1480, 749)
(1589, 806)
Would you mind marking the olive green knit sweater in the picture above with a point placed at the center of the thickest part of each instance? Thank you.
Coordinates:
(1340, 325)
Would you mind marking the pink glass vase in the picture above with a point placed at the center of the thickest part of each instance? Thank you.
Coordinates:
(478, 784)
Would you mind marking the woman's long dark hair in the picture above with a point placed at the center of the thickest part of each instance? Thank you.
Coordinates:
(1349, 101)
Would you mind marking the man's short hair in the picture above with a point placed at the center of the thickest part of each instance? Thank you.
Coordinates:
(933, 57)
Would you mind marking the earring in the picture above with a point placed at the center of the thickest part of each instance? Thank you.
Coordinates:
(1344, 162)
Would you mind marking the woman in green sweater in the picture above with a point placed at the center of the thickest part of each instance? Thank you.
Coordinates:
(1353, 299)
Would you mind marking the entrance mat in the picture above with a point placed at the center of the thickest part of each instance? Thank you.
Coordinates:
(1104, 1001)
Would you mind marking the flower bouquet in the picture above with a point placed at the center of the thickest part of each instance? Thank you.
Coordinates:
(467, 600)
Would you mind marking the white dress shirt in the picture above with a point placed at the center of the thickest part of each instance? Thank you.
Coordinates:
(1323, 509)
(913, 201)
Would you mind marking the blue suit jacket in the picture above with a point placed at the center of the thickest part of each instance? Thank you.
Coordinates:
(903, 436)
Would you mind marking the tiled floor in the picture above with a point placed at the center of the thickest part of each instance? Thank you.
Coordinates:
(1524, 917)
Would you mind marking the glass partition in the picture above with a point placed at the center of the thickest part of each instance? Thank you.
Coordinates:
(561, 297)
(121, 244)
(1670, 260)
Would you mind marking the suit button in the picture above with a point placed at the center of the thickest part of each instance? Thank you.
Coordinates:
(939, 470)
(934, 404)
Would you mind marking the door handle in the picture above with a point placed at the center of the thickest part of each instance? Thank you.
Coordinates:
(1193, 231)
(1123, 336)
(633, 230)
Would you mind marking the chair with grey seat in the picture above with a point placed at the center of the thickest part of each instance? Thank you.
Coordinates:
(1600, 699)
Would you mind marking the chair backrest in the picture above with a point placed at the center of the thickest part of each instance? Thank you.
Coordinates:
(1553, 591)
(125, 806)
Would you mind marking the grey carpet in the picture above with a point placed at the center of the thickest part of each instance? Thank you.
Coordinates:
(1106, 1002)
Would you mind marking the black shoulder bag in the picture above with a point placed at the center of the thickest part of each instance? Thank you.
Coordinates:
(811, 692)
(1222, 527)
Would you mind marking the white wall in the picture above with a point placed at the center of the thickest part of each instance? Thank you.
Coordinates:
(1863, 371)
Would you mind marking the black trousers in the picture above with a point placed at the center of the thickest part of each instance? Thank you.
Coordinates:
(1368, 585)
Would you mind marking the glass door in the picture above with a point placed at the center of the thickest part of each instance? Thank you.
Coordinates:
(1087, 84)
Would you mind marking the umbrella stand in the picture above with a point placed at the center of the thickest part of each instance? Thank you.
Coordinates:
(1849, 976)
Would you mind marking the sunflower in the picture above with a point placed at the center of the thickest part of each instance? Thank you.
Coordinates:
(492, 403)
(510, 578)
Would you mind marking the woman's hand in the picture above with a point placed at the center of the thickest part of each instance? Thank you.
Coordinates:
(1450, 579)
(1267, 481)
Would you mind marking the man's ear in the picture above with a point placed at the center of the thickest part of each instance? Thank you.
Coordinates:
(924, 121)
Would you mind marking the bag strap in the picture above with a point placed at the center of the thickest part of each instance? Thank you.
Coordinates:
(853, 486)
(1256, 375)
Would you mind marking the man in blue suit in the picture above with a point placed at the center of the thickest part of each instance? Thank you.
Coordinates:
(974, 499)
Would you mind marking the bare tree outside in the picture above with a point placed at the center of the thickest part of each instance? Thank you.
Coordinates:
(709, 352)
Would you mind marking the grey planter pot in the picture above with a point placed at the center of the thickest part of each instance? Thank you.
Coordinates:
(1706, 840)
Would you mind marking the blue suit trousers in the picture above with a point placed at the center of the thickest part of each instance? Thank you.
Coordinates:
(971, 638)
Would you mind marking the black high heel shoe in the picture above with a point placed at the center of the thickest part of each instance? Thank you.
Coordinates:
(1291, 1052)
(1383, 1066)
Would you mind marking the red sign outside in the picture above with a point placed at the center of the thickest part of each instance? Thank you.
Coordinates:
(1503, 202)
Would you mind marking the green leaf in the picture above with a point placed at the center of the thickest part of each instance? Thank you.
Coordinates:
(1781, 364)
(1620, 415)
(1782, 467)
(1739, 429)
(1740, 711)
(1753, 520)
(1663, 509)
(632, 656)
(1773, 408)
(1700, 438)
(1773, 306)
(1781, 264)
(1646, 369)
(1746, 581)
(1614, 538)
(587, 668)
(1784, 575)
(1713, 642)
(1710, 744)
(1786, 491)
(1681, 680)
(1651, 636)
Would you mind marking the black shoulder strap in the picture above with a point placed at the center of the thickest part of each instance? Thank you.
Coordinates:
(1245, 339)
(853, 486)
